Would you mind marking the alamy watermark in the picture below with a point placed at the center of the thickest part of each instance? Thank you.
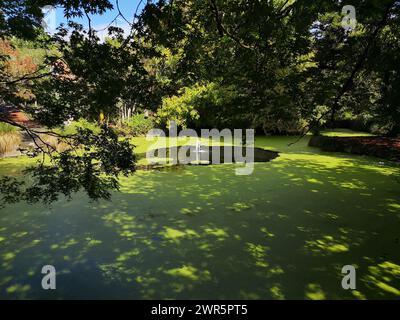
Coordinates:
(49, 280)
(49, 21)
(237, 147)
(349, 21)
(349, 280)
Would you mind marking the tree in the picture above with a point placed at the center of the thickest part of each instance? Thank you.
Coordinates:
(287, 59)
(69, 84)
(284, 66)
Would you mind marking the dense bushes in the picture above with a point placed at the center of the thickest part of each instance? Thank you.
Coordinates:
(181, 108)
(137, 125)
(202, 105)
(386, 148)
(363, 122)
(347, 120)
(283, 126)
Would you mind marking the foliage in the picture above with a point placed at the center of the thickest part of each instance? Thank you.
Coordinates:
(285, 58)
(83, 78)
(199, 106)
(72, 127)
(137, 125)
(15, 64)
(95, 170)
(182, 107)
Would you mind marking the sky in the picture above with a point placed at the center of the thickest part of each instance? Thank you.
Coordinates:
(100, 22)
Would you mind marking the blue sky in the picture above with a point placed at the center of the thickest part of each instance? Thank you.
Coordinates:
(99, 22)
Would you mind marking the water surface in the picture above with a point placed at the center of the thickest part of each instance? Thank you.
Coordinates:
(202, 232)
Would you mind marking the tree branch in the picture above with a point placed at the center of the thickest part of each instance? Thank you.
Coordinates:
(222, 30)
(29, 76)
(35, 135)
(358, 66)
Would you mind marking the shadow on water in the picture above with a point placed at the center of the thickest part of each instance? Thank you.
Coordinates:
(211, 155)
(203, 232)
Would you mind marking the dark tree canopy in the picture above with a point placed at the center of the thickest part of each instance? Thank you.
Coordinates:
(79, 78)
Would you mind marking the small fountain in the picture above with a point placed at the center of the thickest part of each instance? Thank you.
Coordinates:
(198, 154)
(198, 151)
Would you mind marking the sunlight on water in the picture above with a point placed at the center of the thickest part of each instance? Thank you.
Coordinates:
(203, 232)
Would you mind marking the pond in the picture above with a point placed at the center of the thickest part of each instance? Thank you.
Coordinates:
(210, 155)
(202, 232)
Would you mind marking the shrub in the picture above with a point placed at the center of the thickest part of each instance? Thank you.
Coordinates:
(181, 108)
(82, 123)
(347, 120)
(203, 105)
(7, 128)
(137, 125)
(53, 142)
(10, 138)
(9, 142)
(285, 126)
(68, 129)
